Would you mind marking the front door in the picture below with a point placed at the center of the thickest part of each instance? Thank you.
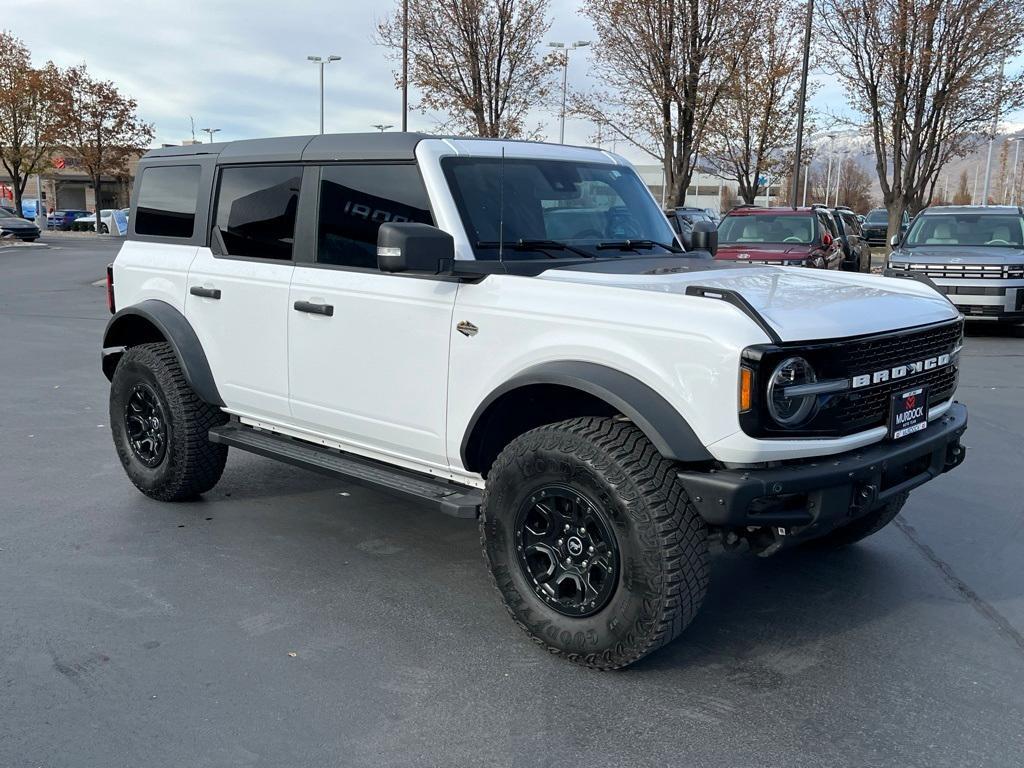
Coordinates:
(368, 351)
(237, 299)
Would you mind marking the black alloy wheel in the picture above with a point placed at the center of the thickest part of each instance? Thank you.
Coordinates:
(567, 550)
(145, 425)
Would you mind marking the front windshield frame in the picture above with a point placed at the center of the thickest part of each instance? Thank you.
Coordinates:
(538, 242)
(877, 216)
(924, 228)
(730, 221)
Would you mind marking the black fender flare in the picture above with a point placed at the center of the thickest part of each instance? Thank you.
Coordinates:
(663, 425)
(123, 330)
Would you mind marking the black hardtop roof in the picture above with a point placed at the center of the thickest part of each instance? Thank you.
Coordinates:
(341, 146)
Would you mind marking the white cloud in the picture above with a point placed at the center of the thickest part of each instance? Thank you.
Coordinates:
(241, 66)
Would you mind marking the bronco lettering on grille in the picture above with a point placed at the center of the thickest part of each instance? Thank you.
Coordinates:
(900, 371)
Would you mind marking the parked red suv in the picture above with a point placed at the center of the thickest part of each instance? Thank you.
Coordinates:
(791, 237)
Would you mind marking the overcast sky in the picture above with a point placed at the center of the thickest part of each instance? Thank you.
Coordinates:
(241, 66)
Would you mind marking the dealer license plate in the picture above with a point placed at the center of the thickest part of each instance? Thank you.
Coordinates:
(909, 413)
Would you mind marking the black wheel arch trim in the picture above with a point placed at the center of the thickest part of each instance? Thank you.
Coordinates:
(176, 331)
(663, 425)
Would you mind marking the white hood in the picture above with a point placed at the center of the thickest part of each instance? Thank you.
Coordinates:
(799, 303)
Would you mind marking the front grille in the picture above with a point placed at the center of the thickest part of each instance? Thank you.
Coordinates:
(858, 409)
(875, 353)
(963, 271)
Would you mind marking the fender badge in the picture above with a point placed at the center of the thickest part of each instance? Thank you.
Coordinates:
(466, 328)
(743, 256)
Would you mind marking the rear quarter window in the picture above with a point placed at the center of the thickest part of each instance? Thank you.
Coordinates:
(166, 205)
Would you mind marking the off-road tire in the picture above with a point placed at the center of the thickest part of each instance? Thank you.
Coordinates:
(662, 541)
(191, 464)
(862, 527)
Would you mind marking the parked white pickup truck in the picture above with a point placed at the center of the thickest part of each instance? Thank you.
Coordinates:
(509, 330)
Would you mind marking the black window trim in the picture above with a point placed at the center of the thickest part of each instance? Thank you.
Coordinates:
(212, 219)
(200, 231)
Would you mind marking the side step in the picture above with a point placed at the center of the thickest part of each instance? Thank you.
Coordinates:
(451, 499)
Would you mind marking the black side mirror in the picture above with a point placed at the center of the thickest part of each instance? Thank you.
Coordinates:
(704, 237)
(411, 247)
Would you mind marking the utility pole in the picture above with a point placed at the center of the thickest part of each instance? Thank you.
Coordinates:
(322, 62)
(995, 128)
(801, 105)
(974, 191)
(405, 65)
(565, 48)
(807, 174)
(1016, 166)
(828, 176)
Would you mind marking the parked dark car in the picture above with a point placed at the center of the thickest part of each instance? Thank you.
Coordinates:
(877, 223)
(13, 226)
(790, 237)
(62, 220)
(856, 250)
(973, 254)
(682, 220)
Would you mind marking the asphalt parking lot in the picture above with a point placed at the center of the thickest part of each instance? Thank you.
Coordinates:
(292, 620)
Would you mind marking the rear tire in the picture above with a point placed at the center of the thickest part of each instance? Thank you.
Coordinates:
(862, 527)
(160, 426)
(648, 576)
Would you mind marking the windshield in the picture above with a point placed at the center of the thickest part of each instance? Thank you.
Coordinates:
(543, 208)
(878, 216)
(766, 228)
(977, 229)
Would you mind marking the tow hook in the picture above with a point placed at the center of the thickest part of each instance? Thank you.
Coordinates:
(763, 541)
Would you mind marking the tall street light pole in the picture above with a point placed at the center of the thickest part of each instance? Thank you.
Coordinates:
(321, 62)
(1016, 168)
(801, 105)
(565, 48)
(405, 65)
(209, 132)
(995, 128)
(382, 127)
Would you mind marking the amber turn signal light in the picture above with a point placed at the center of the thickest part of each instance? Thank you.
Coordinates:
(746, 389)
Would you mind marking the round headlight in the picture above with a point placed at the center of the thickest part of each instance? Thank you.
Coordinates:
(791, 411)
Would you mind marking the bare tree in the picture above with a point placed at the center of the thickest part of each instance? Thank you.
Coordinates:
(29, 114)
(663, 66)
(475, 61)
(963, 191)
(101, 127)
(925, 75)
(756, 116)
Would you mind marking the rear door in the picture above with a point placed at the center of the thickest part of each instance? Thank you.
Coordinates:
(237, 297)
(368, 351)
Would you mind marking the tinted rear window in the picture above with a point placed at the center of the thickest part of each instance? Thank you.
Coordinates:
(256, 209)
(167, 201)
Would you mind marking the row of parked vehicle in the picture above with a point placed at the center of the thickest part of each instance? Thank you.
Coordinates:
(972, 254)
(811, 236)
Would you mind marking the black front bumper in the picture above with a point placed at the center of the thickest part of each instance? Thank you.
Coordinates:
(810, 498)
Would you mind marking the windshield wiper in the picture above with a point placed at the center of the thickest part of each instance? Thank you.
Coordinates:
(633, 245)
(536, 245)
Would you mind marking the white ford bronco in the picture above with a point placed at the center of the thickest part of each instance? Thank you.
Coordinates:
(510, 331)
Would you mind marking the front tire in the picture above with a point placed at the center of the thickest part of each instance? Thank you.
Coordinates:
(160, 426)
(592, 542)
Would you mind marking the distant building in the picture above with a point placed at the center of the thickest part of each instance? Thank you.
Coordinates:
(705, 190)
(66, 185)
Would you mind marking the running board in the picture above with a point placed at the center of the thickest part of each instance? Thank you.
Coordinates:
(451, 499)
